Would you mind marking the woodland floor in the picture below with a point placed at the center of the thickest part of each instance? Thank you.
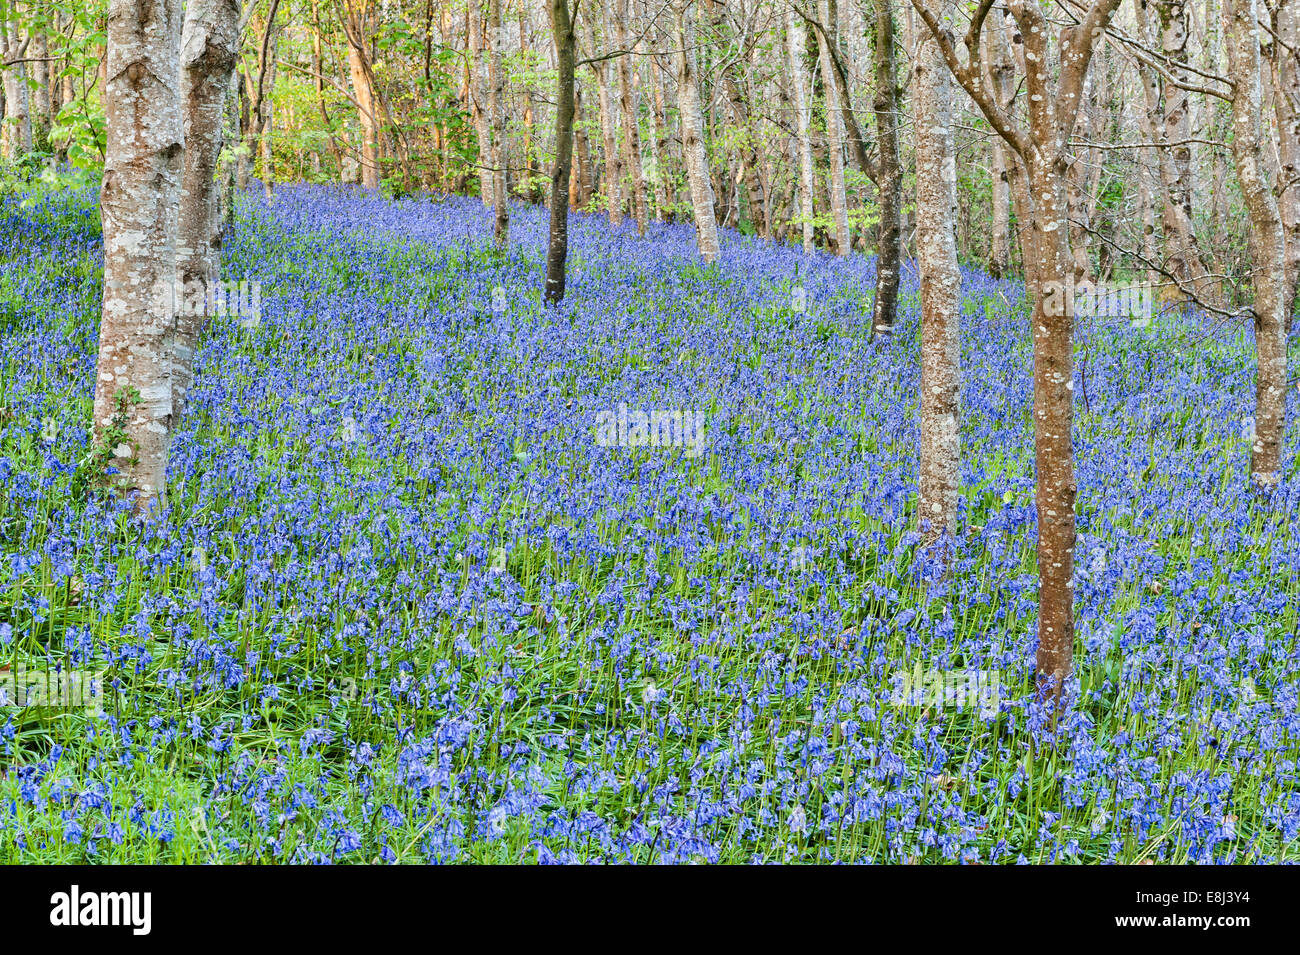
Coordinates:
(403, 606)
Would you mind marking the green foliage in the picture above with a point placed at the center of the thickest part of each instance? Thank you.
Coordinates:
(77, 132)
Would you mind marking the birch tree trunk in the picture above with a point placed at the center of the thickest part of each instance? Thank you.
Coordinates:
(266, 126)
(1177, 129)
(834, 142)
(1267, 244)
(1081, 179)
(611, 179)
(631, 131)
(697, 162)
(17, 128)
(1285, 67)
(139, 204)
(890, 178)
(41, 99)
(1003, 63)
(247, 128)
(1006, 60)
(999, 260)
(497, 126)
(531, 185)
(936, 209)
(477, 100)
(558, 247)
(1147, 183)
(828, 29)
(795, 37)
(580, 177)
(662, 143)
(1168, 123)
(228, 165)
(209, 50)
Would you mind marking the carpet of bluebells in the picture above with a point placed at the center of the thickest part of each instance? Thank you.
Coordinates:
(403, 607)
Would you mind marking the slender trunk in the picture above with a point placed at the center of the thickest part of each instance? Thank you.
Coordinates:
(229, 167)
(795, 39)
(267, 124)
(69, 84)
(662, 177)
(999, 259)
(247, 129)
(1177, 128)
(57, 86)
(1054, 419)
(17, 130)
(936, 208)
(1080, 177)
(371, 163)
(139, 203)
(834, 142)
(1076, 196)
(479, 110)
(532, 186)
(558, 249)
(209, 49)
(697, 162)
(1147, 213)
(580, 188)
(612, 178)
(497, 126)
(1285, 67)
(475, 99)
(1267, 243)
(890, 178)
(1002, 74)
(1168, 123)
(631, 132)
(842, 98)
(259, 92)
(41, 94)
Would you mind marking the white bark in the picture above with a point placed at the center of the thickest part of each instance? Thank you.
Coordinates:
(697, 163)
(1267, 244)
(139, 203)
(497, 125)
(936, 211)
(612, 178)
(477, 97)
(267, 124)
(794, 34)
(631, 133)
(834, 141)
(17, 129)
(209, 47)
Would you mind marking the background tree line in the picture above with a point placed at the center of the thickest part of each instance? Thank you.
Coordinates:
(400, 93)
